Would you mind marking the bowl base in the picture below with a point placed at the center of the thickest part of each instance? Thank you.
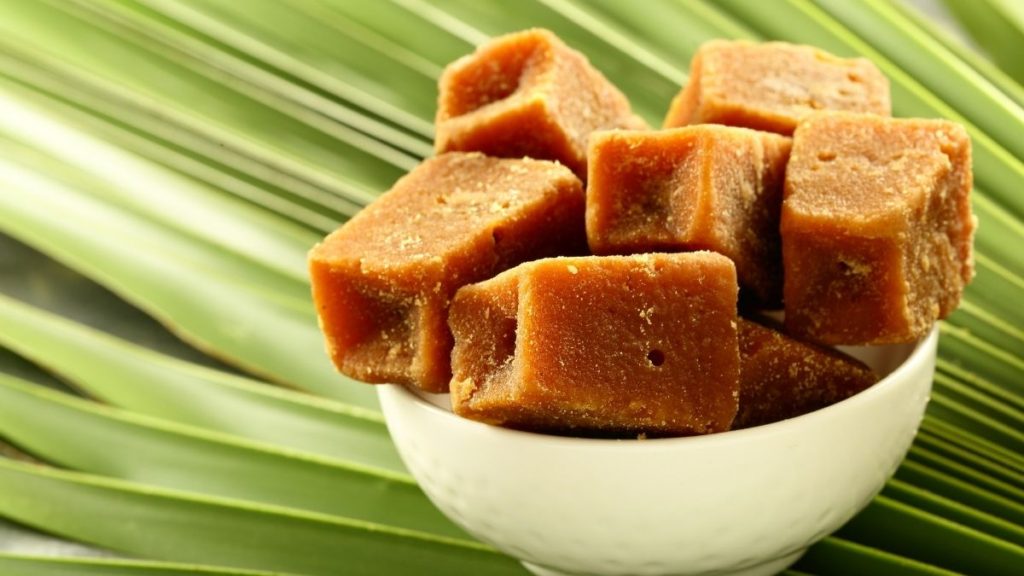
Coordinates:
(764, 569)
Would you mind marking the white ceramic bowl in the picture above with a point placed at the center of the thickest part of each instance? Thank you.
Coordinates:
(744, 502)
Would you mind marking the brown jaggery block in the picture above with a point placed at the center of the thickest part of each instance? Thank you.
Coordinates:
(877, 228)
(528, 94)
(382, 283)
(610, 345)
(781, 377)
(695, 188)
(772, 85)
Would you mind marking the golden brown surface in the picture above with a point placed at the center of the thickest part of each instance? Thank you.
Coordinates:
(528, 94)
(619, 345)
(783, 378)
(771, 86)
(695, 188)
(383, 281)
(877, 228)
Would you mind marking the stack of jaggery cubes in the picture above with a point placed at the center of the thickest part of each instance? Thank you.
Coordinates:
(559, 267)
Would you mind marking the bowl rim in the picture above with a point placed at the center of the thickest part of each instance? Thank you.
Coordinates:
(922, 352)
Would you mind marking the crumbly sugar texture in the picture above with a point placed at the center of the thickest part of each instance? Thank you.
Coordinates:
(781, 377)
(382, 282)
(702, 187)
(772, 85)
(877, 229)
(527, 94)
(600, 345)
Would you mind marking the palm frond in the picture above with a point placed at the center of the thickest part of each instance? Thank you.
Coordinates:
(996, 25)
(186, 154)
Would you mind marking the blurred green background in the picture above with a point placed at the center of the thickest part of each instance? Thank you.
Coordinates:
(164, 166)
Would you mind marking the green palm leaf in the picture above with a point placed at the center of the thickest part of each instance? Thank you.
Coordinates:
(982, 65)
(146, 382)
(996, 25)
(187, 527)
(42, 566)
(192, 153)
(151, 451)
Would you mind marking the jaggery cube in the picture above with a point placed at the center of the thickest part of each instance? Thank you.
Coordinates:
(528, 94)
(772, 85)
(621, 345)
(383, 281)
(694, 188)
(877, 229)
(781, 377)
